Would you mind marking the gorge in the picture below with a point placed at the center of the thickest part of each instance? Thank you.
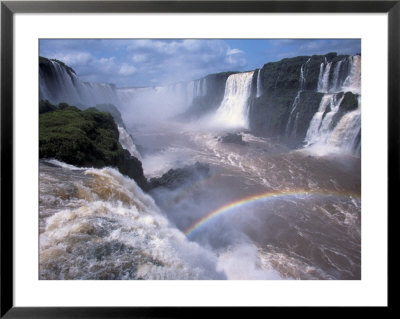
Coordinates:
(242, 175)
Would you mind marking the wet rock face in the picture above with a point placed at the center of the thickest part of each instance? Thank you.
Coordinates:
(234, 138)
(175, 178)
(132, 167)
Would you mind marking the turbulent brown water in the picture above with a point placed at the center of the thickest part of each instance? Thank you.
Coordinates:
(97, 224)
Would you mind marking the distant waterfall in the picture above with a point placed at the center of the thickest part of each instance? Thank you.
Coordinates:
(204, 86)
(189, 93)
(233, 111)
(62, 85)
(195, 89)
(336, 78)
(259, 84)
(200, 87)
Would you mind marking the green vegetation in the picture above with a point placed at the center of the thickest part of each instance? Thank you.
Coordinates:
(85, 138)
(112, 109)
(46, 106)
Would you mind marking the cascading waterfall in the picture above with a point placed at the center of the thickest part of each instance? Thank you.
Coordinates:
(259, 84)
(347, 132)
(320, 126)
(334, 80)
(262, 208)
(127, 94)
(233, 111)
(294, 107)
(352, 82)
(303, 71)
(189, 93)
(64, 86)
(200, 87)
(127, 143)
(323, 79)
(60, 84)
(61, 87)
(336, 75)
(302, 81)
(204, 86)
(340, 76)
(107, 228)
(70, 89)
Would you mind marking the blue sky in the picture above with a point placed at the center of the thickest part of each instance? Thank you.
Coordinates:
(142, 62)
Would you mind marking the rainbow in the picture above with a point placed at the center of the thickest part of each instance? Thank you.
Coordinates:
(260, 197)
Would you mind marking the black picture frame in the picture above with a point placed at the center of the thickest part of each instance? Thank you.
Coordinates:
(9, 8)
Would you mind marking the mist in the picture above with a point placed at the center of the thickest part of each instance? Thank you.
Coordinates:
(227, 199)
(152, 105)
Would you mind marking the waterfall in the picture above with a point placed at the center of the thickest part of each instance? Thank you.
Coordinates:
(63, 85)
(203, 86)
(347, 131)
(259, 84)
(323, 80)
(352, 82)
(108, 228)
(319, 130)
(294, 107)
(336, 76)
(233, 111)
(303, 71)
(302, 82)
(126, 95)
(200, 87)
(194, 89)
(325, 129)
(127, 143)
(189, 93)
(340, 76)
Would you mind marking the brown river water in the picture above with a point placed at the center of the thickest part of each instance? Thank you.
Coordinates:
(274, 213)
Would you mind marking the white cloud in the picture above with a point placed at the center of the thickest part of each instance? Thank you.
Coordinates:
(74, 58)
(191, 45)
(107, 60)
(234, 51)
(139, 58)
(126, 69)
(167, 61)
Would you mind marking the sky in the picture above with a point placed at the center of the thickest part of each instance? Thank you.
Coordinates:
(152, 62)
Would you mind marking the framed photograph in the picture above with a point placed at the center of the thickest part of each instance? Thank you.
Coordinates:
(161, 155)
